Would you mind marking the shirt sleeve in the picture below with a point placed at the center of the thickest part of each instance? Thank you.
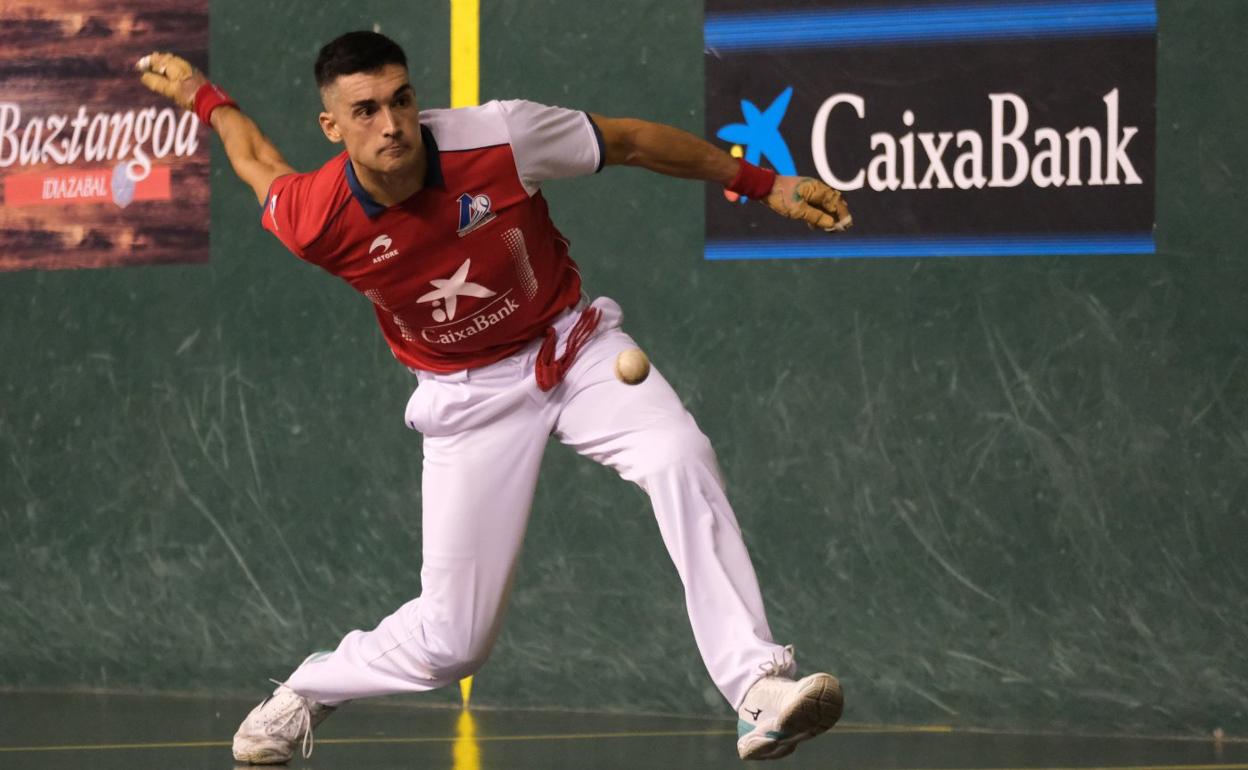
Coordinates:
(551, 142)
(289, 213)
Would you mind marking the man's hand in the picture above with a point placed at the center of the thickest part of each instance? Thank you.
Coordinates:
(811, 201)
(171, 76)
(254, 158)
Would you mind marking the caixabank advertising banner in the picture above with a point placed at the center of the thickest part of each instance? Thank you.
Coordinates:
(1014, 127)
(96, 170)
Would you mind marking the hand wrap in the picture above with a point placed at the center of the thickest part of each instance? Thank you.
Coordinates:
(208, 98)
(752, 181)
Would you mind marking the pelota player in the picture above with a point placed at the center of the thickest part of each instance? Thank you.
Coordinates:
(438, 218)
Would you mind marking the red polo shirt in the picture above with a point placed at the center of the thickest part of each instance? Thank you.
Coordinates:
(471, 268)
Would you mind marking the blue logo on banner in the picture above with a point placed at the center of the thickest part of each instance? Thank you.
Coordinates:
(759, 135)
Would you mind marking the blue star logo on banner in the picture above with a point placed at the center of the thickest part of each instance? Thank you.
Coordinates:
(759, 135)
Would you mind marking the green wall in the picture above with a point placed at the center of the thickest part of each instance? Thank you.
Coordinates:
(995, 492)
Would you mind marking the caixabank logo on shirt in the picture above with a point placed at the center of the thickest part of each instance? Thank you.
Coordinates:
(971, 128)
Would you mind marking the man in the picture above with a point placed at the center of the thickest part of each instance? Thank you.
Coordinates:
(437, 217)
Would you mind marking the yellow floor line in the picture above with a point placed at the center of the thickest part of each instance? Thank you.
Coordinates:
(358, 741)
(929, 729)
(118, 746)
(888, 730)
(553, 737)
(1240, 766)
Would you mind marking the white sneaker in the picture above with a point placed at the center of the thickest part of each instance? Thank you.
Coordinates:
(269, 733)
(778, 713)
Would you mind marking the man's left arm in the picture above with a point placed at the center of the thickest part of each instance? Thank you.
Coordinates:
(671, 151)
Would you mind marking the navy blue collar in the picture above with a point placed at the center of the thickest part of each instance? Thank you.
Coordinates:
(433, 175)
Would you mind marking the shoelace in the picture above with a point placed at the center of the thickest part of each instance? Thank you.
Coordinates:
(304, 724)
(549, 370)
(779, 666)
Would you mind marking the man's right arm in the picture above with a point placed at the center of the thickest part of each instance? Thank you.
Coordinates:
(254, 158)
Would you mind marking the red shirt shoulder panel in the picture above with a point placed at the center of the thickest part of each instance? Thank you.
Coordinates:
(300, 207)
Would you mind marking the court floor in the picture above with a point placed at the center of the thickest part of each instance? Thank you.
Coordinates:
(103, 732)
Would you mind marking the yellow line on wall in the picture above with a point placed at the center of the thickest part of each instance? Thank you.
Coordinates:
(465, 52)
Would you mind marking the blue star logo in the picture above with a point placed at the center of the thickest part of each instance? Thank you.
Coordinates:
(760, 133)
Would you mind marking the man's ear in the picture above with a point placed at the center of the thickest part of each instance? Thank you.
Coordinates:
(330, 127)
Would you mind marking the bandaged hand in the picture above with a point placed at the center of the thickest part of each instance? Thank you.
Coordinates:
(171, 76)
(811, 201)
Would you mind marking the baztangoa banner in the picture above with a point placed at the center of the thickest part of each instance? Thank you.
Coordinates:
(96, 170)
(973, 128)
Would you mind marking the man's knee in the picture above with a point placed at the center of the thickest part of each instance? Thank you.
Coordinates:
(448, 645)
(454, 658)
(454, 665)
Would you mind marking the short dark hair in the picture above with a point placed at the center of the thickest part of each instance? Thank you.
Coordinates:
(356, 52)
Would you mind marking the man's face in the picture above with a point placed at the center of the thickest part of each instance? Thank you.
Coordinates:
(374, 114)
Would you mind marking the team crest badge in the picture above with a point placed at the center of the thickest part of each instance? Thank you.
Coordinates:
(474, 211)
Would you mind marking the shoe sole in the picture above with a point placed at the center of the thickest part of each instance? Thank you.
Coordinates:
(263, 755)
(814, 710)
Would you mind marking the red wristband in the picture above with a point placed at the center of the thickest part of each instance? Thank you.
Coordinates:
(208, 98)
(752, 181)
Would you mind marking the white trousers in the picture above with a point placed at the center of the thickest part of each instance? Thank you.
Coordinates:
(484, 434)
